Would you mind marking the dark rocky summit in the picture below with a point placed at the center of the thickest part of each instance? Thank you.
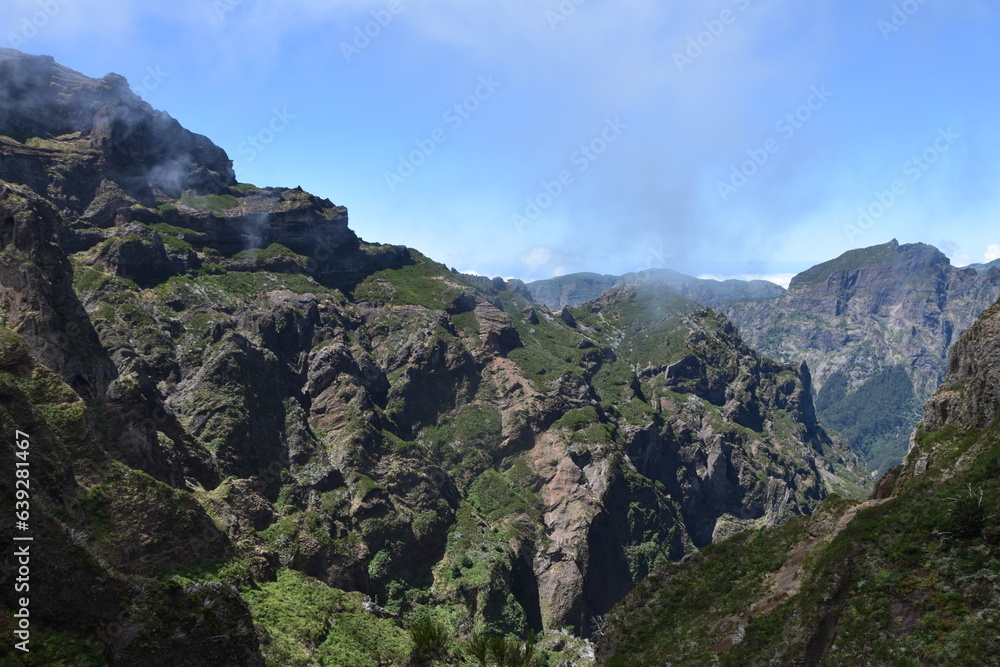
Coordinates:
(875, 326)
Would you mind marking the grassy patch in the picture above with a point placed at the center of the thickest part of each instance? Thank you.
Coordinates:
(426, 284)
(467, 323)
(270, 252)
(213, 203)
(89, 280)
(494, 498)
(550, 349)
(164, 228)
(311, 623)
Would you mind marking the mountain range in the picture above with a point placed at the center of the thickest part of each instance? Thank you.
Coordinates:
(256, 439)
(874, 325)
(577, 288)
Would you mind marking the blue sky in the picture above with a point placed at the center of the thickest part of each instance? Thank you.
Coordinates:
(535, 138)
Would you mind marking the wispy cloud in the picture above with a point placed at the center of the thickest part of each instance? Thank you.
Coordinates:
(754, 61)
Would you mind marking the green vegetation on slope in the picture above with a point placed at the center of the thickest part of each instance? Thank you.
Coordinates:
(849, 261)
(310, 623)
(426, 284)
(915, 580)
(875, 418)
(213, 203)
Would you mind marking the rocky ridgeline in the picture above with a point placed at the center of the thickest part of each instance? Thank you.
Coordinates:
(243, 391)
(874, 326)
(878, 306)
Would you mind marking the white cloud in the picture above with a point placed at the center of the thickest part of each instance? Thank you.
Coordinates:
(992, 252)
(536, 258)
(961, 259)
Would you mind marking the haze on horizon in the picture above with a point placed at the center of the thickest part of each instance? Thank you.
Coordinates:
(749, 138)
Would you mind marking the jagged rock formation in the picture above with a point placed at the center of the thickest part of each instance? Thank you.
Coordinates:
(576, 289)
(910, 576)
(270, 402)
(104, 159)
(875, 326)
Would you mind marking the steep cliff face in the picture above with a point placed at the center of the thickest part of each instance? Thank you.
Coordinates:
(269, 402)
(874, 326)
(36, 291)
(909, 576)
(970, 393)
(91, 521)
(862, 322)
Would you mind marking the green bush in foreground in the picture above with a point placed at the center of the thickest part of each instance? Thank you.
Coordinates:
(496, 651)
(431, 641)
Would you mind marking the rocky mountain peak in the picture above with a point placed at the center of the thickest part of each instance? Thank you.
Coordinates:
(48, 101)
(875, 326)
(149, 197)
(887, 261)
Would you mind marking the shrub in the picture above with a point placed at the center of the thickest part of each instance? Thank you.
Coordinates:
(967, 517)
(489, 650)
(431, 640)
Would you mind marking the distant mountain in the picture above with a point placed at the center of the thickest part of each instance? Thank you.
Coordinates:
(573, 289)
(906, 578)
(983, 268)
(577, 288)
(874, 325)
